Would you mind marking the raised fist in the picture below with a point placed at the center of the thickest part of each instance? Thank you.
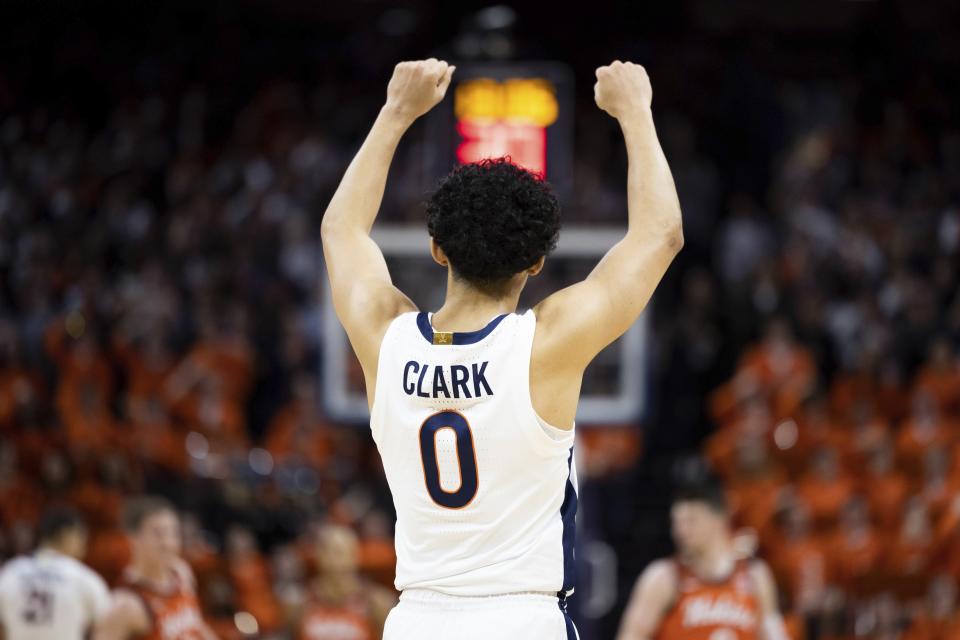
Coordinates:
(622, 89)
(417, 86)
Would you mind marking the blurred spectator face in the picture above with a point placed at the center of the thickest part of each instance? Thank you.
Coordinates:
(695, 526)
(241, 543)
(855, 514)
(825, 464)
(924, 410)
(916, 523)
(8, 463)
(797, 521)
(337, 550)
(21, 537)
(942, 597)
(936, 464)
(778, 334)
(940, 355)
(752, 455)
(158, 537)
(304, 391)
(286, 564)
(54, 470)
(881, 460)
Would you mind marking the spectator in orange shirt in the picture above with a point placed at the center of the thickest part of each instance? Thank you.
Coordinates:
(800, 560)
(198, 551)
(20, 498)
(853, 388)
(299, 432)
(869, 432)
(923, 430)
(816, 429)
(940, 618)
(147, 365)
(81, 368)
(221, 354)
(893, 399)
(18, 386)
(909, 551)
(784, 368)
(939, 378)
(340, 598)
(214, 414)
(152, 437)
(250, 577)
(885, 487)
(755, 485)
(376, 555)
(825, 489)
(721, 447)
(289, 581)
(86, 417)
(855, 548)
(939, 485)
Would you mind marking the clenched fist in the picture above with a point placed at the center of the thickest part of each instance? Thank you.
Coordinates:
(417, 86)
(622, 89)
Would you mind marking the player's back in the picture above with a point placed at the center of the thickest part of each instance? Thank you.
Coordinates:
(49, 596)
(485, 491)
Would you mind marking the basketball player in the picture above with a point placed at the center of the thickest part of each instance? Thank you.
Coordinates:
(709, 591)
(51, 595)
(341, 605)
(156, 600)
(472, 407)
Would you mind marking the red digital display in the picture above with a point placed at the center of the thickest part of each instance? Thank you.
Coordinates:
(505, 118)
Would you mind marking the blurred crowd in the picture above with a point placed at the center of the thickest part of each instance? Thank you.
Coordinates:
(838, 429)
(160, 314)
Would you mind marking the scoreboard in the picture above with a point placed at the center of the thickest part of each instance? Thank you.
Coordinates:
(524, 111)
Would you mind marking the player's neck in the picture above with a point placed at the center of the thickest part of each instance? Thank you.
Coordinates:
(52, 548)
(714, 562)
(467, 309)
(156, 573)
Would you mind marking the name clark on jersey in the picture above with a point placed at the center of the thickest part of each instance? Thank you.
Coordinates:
(704, 611)
(457, 381)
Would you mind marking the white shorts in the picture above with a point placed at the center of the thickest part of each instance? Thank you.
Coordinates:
(429, 615)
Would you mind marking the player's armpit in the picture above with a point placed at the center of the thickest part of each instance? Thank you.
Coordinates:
(364, 297)
(126, 618)
(581, 320)
(650, 601)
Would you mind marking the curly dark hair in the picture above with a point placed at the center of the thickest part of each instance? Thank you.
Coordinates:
(493, 219)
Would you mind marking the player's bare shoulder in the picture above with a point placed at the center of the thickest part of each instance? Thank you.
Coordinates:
(660, 576)
(654, 594)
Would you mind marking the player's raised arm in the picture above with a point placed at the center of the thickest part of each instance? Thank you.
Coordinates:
(363, 294)
(582, 319)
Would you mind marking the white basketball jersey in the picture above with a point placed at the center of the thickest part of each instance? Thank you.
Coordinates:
(50, 596)
(485, 491)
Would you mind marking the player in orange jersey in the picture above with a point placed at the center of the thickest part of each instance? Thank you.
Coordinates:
(708, 591)
(156, 600)
(342, 605)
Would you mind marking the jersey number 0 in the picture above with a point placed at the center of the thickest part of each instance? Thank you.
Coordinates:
(466, 459)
